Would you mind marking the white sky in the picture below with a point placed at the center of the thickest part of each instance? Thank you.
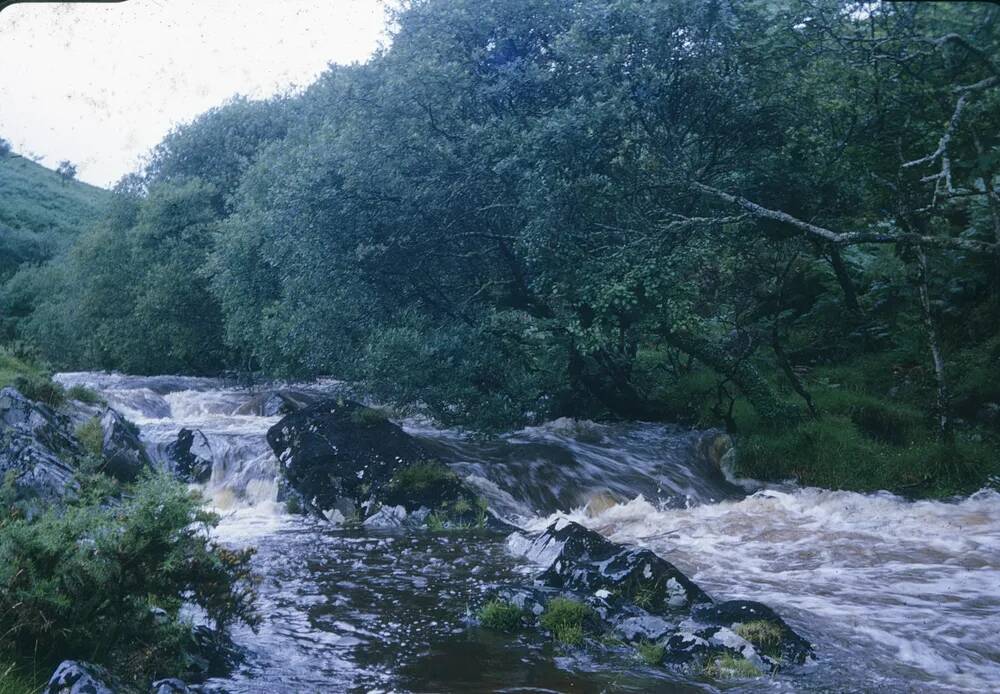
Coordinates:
(101, 84)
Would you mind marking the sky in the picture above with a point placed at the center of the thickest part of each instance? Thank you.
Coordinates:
(101, 84)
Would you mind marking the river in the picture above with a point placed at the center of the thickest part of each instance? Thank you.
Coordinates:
(896, 595)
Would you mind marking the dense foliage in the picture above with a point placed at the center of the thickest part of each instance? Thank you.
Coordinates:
(118, 565)
(697, 210)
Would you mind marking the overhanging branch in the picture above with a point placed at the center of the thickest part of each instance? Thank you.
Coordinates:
(852, 237)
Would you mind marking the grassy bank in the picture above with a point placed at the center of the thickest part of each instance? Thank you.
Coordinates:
(872, 429)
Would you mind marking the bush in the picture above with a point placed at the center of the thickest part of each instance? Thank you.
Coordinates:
(100, 569)
(91, 435)
(501, 615)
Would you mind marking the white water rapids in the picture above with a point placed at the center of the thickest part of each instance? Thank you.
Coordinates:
(896, 595)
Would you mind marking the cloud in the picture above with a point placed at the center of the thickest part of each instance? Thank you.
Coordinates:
(101, 84)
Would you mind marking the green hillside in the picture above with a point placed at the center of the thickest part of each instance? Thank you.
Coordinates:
(38, 210)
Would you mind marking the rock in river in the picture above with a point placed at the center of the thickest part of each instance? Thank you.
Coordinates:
(347, 461)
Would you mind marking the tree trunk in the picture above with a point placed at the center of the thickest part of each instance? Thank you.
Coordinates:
(741, 372)
(844, 278)
(944, 429)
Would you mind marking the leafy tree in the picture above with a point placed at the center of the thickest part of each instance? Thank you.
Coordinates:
(66, 170)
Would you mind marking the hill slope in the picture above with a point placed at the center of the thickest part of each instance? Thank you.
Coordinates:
(39, 210)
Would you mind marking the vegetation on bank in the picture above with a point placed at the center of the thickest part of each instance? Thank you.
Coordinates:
(781, 218)
(115, 559)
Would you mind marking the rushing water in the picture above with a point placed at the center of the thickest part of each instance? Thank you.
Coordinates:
(897, 595)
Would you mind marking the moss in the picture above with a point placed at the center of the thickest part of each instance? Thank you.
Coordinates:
(369, 416)
(730, 667)
(764, 635)
(501, 615)
(85, 395)
(91, 435)
(422, 476)
(564, 618)
(650, 653)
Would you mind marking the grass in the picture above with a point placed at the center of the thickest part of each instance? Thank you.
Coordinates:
(38, 199)
(501, 615)
(730, 667)
(91, 435)
(85, 395)
(650, 653)
(764, 635)
(564, 618)
(14, 680)
(13, 367)
(369, 416)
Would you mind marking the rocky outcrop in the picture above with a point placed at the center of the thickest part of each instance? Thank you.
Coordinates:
(190, 457)
(34, 440)
(75, 677)
(635, 596)
(124, 454)
(348, 462)
(586, 562)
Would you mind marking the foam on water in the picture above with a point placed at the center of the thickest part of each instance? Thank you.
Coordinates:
(910, 590)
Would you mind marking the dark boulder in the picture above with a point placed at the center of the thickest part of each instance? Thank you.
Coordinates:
(124, 454)
(644, 599)
(272, 403)
(758, 624)
(34, 440)
(190, 457)
(347, 461)
(584, 561)
(75, 677)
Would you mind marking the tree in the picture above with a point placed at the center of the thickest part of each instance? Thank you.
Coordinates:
(66, 170)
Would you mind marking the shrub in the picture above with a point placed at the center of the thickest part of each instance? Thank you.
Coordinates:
(101, 568)
(91, 435)
(85, 395)
(501, 615)
(565, 618)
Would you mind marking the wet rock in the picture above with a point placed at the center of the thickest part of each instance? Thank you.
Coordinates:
(272, 403)
(386, 517)
(124, 454)
(34, 440)
(347, 461)
(760, 625)
(170, 686)
(643, 599)
(586, 562)
(190, 457)
(75, 677)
